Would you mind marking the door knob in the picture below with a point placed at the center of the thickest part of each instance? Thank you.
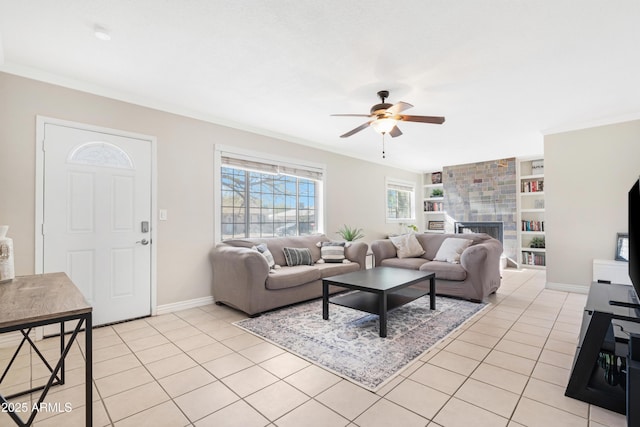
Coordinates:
(143, 241)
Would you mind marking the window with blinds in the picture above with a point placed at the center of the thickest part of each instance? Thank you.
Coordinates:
(400, 200)
(262, 198)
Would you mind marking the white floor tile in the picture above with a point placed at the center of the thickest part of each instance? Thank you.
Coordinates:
(509, 367)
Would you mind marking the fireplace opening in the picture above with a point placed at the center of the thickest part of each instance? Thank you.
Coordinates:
(492, 228)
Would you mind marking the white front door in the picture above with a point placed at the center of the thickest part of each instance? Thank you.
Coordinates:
(97, 218)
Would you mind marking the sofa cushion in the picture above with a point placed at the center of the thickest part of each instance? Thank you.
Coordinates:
(412, 263)
(407, 245)
(289, 277)
(451, 249)
(333, 269)
(297, 256)
(445, 270)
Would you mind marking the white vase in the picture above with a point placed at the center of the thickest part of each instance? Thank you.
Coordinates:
(7, 272)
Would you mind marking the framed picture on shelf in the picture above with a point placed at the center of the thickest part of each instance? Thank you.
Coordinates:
(435, 225)
(436, 177)
(622, 247)
(537, 167)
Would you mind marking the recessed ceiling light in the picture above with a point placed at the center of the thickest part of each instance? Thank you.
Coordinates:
(101, 33)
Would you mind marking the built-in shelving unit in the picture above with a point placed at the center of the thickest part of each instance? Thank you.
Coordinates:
(531, 232)
(435, 217)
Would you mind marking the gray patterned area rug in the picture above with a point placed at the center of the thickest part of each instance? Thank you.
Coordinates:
(349, 344)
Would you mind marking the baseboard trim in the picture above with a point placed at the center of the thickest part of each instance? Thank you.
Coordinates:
(12, 339)
(578, 289)
(183, 305)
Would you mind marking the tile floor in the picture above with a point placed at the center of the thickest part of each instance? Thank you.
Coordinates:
(508, 367)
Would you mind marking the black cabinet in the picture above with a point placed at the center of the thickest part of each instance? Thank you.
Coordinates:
(605, 369)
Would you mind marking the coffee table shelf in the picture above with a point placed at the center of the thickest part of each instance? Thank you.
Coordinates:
(369, 302)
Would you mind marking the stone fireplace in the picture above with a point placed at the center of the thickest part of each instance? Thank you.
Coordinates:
(484, 195)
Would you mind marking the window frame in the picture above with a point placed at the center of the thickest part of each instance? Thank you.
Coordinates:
(411, 189)
(288, 165)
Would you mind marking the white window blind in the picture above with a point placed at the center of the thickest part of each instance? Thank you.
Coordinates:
(400, 187)
(271, 167)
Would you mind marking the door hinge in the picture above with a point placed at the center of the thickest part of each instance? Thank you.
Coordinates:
(42, 229)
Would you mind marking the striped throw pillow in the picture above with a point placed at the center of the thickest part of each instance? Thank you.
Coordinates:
(332, 251)
(298, 256)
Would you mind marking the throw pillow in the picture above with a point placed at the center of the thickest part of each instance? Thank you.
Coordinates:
(332, 252)
(298, 256)
(407, 246)
(264, 250)
(451, 249)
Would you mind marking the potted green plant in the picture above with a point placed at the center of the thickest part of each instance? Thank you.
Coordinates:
(350, 234)
(437, 192)
(537, 242)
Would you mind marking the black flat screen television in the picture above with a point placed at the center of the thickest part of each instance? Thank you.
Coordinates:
(634, 238)
(634, 249)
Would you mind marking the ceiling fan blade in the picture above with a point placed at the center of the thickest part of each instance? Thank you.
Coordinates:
(351, 115)
(395, 131)
(423, 119)
(398, 108)
(356, 130)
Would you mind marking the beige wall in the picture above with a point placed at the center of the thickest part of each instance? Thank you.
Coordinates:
(354, 189)
(588, 174)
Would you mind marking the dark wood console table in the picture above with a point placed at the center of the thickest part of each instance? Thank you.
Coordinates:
(31, 301)
(606, 366)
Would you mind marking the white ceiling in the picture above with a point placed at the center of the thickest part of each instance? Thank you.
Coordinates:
(502, 72)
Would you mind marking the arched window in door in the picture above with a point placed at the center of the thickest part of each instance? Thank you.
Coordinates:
(100, 153)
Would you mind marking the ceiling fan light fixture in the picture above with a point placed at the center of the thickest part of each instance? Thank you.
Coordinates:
(384, 117)
(384, 125)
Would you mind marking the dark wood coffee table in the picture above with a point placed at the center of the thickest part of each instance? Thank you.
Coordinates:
(380, 290)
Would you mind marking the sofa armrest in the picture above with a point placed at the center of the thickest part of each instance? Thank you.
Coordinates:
(357, 252)
(482, 263)
(237, 270)
(481, 254)
(383, 249)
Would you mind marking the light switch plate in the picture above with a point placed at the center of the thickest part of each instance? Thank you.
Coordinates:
(162, 215)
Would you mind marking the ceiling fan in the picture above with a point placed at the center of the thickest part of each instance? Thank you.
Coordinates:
(384, 117)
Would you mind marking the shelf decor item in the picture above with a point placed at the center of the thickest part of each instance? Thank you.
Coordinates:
(435, 225)
(7, 272)
(436, 177)
(433, 206)
(622, 247)
(412, 228)
(537, 242)
(537, 167)
(437, 192)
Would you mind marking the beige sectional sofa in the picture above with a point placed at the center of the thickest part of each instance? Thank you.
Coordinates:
(475, 276)
(243, 279)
